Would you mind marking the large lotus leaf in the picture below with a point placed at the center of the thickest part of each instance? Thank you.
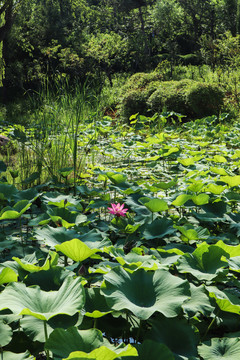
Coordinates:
(6, 334)
(16, 211)
(34, 329)
(95, 239)
(62, 342)
(213, 212)
(219, 171)
(76, 250)
(199, 302)
(103, 268)
(159, 228)
(60, 200)
(200, 199)
(96, 305)
(154, 205)
(29, 194)
(7, 275)
(66, 217)
(55, 236)
(181, 199)
(52, 260)
(22, 300)
(232, 251)
(225, 300)
(157, 351)
(50, 279)
(224, 348)
(188, 161)
(215, 189)
(180, 337)
(234, 263)
(204, 263)
(144, 292)
(8, 191)
(7, 355)
(116, 178)
(103, 353)
(134, 257)
(231, 180)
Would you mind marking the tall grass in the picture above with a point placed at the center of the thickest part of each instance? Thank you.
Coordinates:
(53, 137)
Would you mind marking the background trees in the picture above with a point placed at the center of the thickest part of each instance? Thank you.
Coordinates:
(82, 38)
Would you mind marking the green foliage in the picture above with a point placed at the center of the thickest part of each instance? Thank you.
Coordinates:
(146, 95)
(172, 96)
(205, 99)
(73, 276)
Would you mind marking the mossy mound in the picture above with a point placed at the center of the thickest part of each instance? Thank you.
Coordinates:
(147, 94)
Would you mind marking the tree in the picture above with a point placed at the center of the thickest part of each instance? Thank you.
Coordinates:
(8, 11)
(107, 51)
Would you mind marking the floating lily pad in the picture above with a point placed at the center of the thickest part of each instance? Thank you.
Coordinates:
(144, 293)
(69, 299)
(220, 348)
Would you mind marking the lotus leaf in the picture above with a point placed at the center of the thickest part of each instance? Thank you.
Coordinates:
(55, 236)
(6, 334)
(76, 250)
(69, 299)
(144, 293)
(225, 299)
(181, 199)
(50, 261)
(62, 342)
(154, 205)
(7, 275)
(173, 333)
(96, 305)
(232, 181)
(50, 279)
(7, 355)
(204, 263)
(157, 351)
(224, 348)
(103, 353)
(159, 228)
(199, 302)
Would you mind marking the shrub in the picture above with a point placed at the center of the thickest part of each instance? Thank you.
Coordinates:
(132, 103)
(171, 95)
(205, 99)
(141, 81)
(146, 94)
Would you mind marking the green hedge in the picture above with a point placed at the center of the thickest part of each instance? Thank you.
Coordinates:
(147, 94)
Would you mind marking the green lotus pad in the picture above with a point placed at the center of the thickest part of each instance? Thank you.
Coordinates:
(144, 293)
(22, 300)
(7, 275)
(8, 355)
(224, 348)
(6, 334)
(63, 342)
(102, 353)
(76, 250)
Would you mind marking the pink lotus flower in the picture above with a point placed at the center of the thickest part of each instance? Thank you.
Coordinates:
(117, 210)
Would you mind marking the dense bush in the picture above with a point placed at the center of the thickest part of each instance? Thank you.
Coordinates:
(146, 94)
(135, 93)
(205, 99)
(172, 96)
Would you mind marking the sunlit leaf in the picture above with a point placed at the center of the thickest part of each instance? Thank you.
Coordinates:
(76, 250)
(144, 293)
(43, 305)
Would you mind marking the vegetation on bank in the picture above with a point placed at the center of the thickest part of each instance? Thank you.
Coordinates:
(119, 180)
